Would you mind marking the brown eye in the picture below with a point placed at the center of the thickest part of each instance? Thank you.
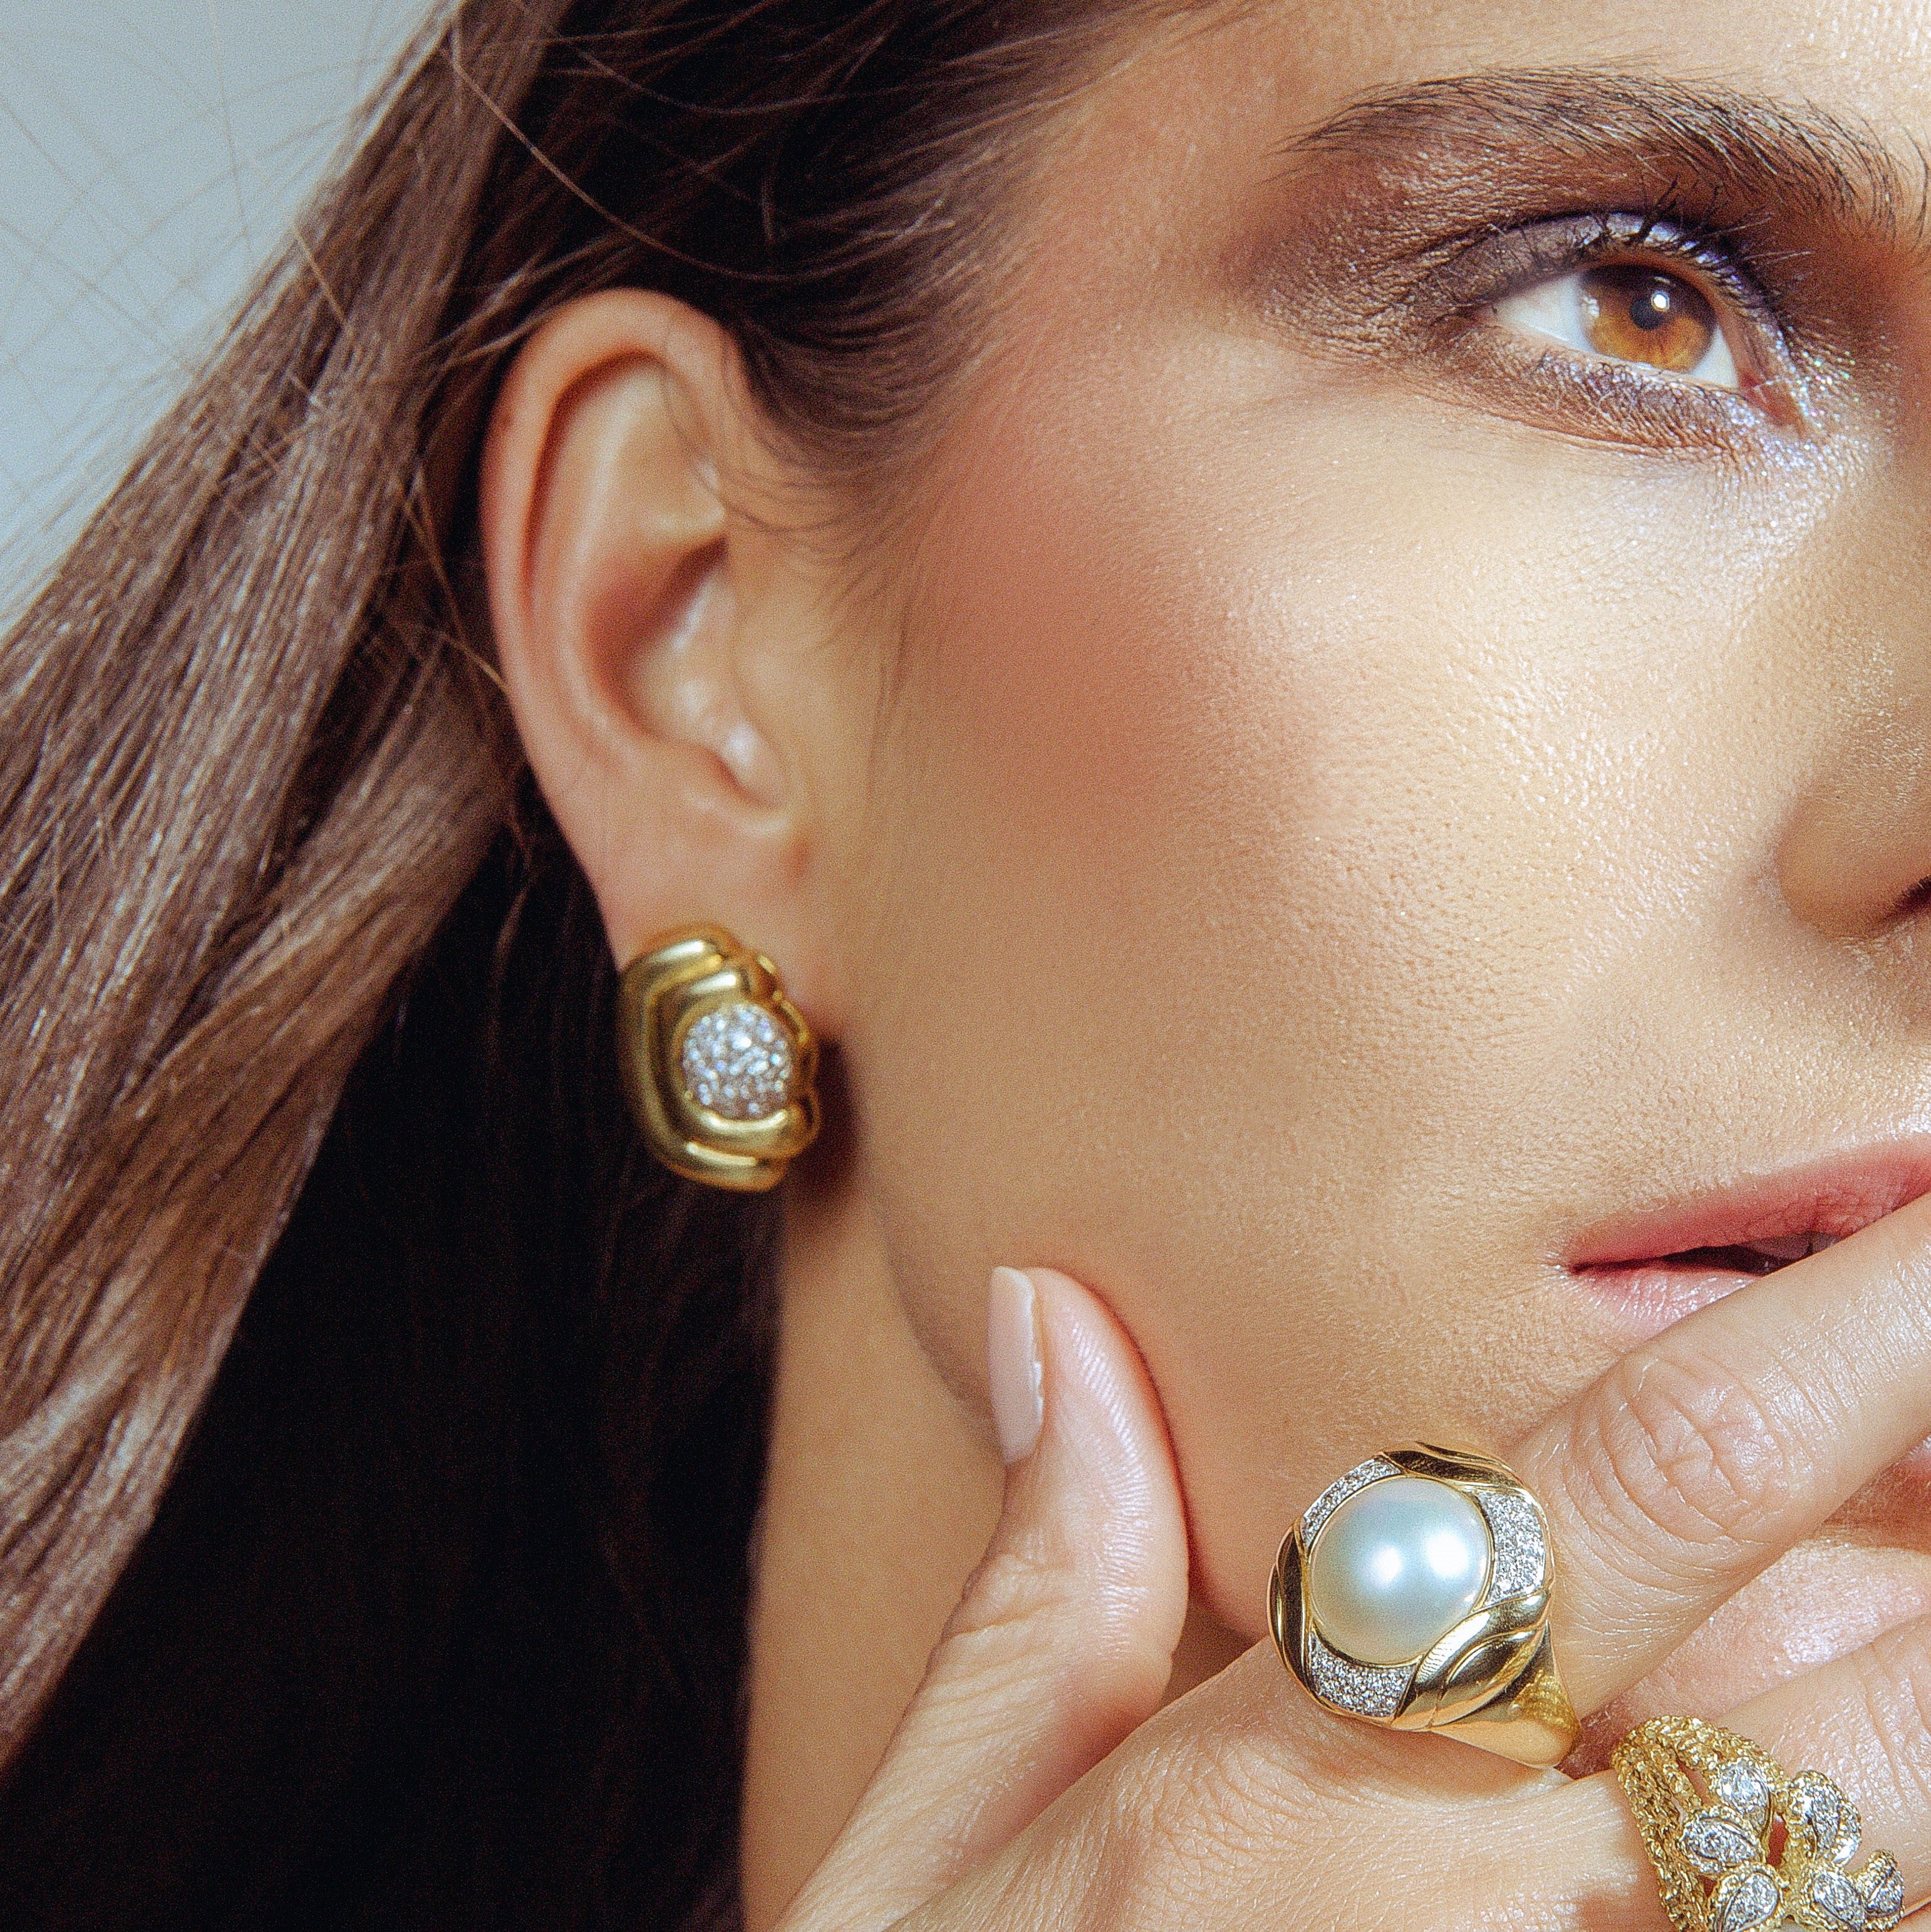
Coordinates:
(1638, 314)
(1633, 313)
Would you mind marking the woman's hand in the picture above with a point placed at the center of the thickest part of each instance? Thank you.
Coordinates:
(1032, 1785)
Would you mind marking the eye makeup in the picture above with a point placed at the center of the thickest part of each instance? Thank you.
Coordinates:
(1425, 234)
(1498, 302)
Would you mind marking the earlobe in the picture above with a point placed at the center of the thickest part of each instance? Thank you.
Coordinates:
(628, 601)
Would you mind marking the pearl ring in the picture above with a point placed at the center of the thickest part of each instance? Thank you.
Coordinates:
(1414, 1594)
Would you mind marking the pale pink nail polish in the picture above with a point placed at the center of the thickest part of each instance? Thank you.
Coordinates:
(1014, 1368)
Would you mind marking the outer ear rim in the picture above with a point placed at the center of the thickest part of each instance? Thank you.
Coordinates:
(603, 330)
(622, 776)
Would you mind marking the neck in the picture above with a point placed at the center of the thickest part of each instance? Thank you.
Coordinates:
(881, 1490)
(880, 1495)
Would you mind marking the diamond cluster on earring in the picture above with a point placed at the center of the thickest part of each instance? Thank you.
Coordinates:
(738, 1062)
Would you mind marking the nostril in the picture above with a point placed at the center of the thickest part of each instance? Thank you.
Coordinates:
(1915, 901)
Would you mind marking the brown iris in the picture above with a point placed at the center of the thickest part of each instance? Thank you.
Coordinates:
(1641, 315)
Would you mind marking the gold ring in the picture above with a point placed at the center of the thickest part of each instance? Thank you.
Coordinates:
(1739, 1845)
(1414, 1594)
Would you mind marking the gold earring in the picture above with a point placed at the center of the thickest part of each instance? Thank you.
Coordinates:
(717, 1063)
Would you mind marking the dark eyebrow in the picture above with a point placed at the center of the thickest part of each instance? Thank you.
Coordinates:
(1797, 158)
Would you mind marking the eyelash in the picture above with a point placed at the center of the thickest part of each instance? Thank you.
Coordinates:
(1604, 238)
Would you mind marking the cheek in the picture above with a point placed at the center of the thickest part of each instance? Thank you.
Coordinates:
(1274, 789)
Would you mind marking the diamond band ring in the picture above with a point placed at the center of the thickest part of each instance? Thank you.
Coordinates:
(1740, 1845)
(1414, 1594)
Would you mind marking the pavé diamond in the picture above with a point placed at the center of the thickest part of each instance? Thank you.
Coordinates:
(1816, 1807)
(1850, 1835)
(1369, 1690)
(1746, 1790)
(1338, 1492)
(1746, 1901)
(1883, 1888)
(1717, 1843)
(1839, 1901)
(737, 1062)
(1522, 1554)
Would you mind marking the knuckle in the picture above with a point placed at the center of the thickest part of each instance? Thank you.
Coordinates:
(1002, 1636)
(1025, 1608)
(1684, 1447)
(1009, 1595)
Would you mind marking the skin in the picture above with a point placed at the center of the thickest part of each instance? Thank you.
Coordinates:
(1324, 801)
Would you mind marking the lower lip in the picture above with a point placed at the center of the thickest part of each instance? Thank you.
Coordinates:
(1650, 1295)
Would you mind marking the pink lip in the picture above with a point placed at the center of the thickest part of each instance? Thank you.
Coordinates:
(1836, 1196)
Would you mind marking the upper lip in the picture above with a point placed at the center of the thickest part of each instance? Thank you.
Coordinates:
(1831, 1198)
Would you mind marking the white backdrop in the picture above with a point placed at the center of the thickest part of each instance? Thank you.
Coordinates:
(151, 152)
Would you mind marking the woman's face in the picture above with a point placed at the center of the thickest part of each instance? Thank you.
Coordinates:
(1408, 768)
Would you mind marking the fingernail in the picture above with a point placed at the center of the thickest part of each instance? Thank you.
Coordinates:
(1013, 1367)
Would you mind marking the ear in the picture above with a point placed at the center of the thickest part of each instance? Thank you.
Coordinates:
(647, 630)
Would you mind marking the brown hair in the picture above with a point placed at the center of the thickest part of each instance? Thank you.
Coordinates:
(260, 807)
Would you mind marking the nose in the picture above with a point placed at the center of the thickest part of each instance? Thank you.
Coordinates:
(1854, 860)
(1890, 886)
(1856, 857)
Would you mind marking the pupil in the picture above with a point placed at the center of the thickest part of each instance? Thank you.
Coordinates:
(1653, 306)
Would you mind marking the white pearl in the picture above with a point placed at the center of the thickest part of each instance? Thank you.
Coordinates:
(1396, 1567)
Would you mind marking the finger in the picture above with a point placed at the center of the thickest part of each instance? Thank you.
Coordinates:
(1244, 1804)
(1864, 1720)
(1701, 1456)
(1063, 1640)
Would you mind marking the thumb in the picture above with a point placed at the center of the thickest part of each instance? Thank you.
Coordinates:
(1064, 1638)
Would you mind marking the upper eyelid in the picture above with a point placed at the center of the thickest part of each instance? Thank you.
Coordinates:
(1403, 279)
(1502, 262)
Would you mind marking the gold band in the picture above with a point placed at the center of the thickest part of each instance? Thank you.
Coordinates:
(1740, 1845)
(1490, 1679)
